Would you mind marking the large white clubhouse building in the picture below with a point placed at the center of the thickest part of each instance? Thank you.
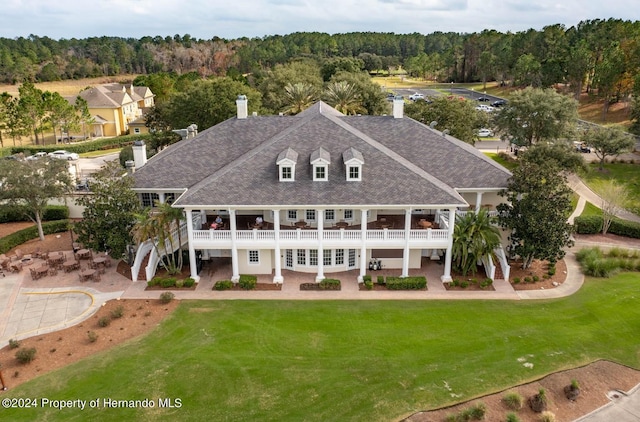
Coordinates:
(319, 192)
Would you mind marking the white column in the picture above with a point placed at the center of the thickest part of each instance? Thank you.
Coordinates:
(478, 201)
(161, 197)
(320, 220)
(235, 277)
(363, 245)
(446, 277)
(192, 253)
(277, 278)
(407, 231)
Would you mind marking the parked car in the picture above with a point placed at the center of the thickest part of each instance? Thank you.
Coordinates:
(37, 155)
(484, 133)
(484, 107)
(64, 155)
(484, 99)
(499, 103)
(416, 96)
(582, 147)
(390, 96)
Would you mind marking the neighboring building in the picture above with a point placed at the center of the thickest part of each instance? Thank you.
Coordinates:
(332, 191)
(115, 106)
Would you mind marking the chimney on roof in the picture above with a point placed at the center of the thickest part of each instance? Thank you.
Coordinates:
(139, 153)
(398, 107)
(241, 103)
(192, 130)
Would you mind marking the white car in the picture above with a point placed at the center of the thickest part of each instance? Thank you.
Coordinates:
(37, 155)
(64, 155)
(485, 133)
(485, 108)
(416, 96)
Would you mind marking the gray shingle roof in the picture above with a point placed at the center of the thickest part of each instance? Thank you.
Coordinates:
(320, 154)
(234, 163)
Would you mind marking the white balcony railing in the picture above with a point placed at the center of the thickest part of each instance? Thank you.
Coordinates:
(222, 238)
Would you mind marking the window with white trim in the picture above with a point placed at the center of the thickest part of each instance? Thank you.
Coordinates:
(320, 172)
(348, 214)
(169, 197)
(136, 130)
(354, 173)
(254, 257)
(339, 256)
(286, 173)
(302, 256)
(326, 257)
(352, 258)
(149, 199)
(311, 215)
(313, 257)
(292, 215)
(330, 215)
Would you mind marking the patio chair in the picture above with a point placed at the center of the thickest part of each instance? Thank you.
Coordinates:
(34, 274)
(18, 255)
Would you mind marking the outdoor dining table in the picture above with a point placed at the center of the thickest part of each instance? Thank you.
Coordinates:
(42, 270)
(425, 224)
(342, 224)
(301, 224)
(86, 274)
(84, 253)
(70, 266)
(56, 258)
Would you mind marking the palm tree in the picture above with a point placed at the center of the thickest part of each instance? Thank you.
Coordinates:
(474, 237)
(299, 97)
(170, 219)
(344, 97)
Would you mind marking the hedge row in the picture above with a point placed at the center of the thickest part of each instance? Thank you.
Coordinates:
(406, 283)
(21, 236)
(592, 224)
(96, 144)
(12, 213)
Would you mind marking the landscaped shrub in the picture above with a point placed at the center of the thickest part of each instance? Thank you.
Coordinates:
(538, 402)
(477, 411)
(572, 391)
(12, 240)
(552, 270)
(329, 284)
(155, 281)
(366, 277)
(168, 282)
(516, 280)
(368, 284)
(513, 401)
(547, 416)
(26, 355)
(247, 282)
(223, 285)
(535, 278)
(166, 297)
(104, 322)
(406, 283)
(189, 282)
(12, 213)
(380, 279)
(528, 280)
(512, 417)
(179, 284)
(486, 283)
(93, 337)
(13, 344)
(118, 312)
(588, 224)
(464, 284)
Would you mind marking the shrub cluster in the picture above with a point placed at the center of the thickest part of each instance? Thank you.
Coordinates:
(94, 145)
(513, 401)
(26, 355)
(12, 213)
(166, 297)
(93, 337)
(406, 283)
(223, 285)
(247, 282)
(118, 312)
(592, 224)
(472, 413)
(368, 284)
(329, 284)
(12, 240)
(168, 282)
(596, 263)
(13, 344)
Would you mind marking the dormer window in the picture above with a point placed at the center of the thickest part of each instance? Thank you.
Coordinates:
(286, 163)
(320, 160)
(353, 161)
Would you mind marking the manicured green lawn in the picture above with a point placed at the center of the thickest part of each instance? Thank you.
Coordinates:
(627, 174)
(590, 209)
(509, 165)
(343, 360)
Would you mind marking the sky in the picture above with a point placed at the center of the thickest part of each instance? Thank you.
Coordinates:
(231, 19)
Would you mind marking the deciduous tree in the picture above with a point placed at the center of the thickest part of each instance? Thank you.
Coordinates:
(608, 142)
(34, 183)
